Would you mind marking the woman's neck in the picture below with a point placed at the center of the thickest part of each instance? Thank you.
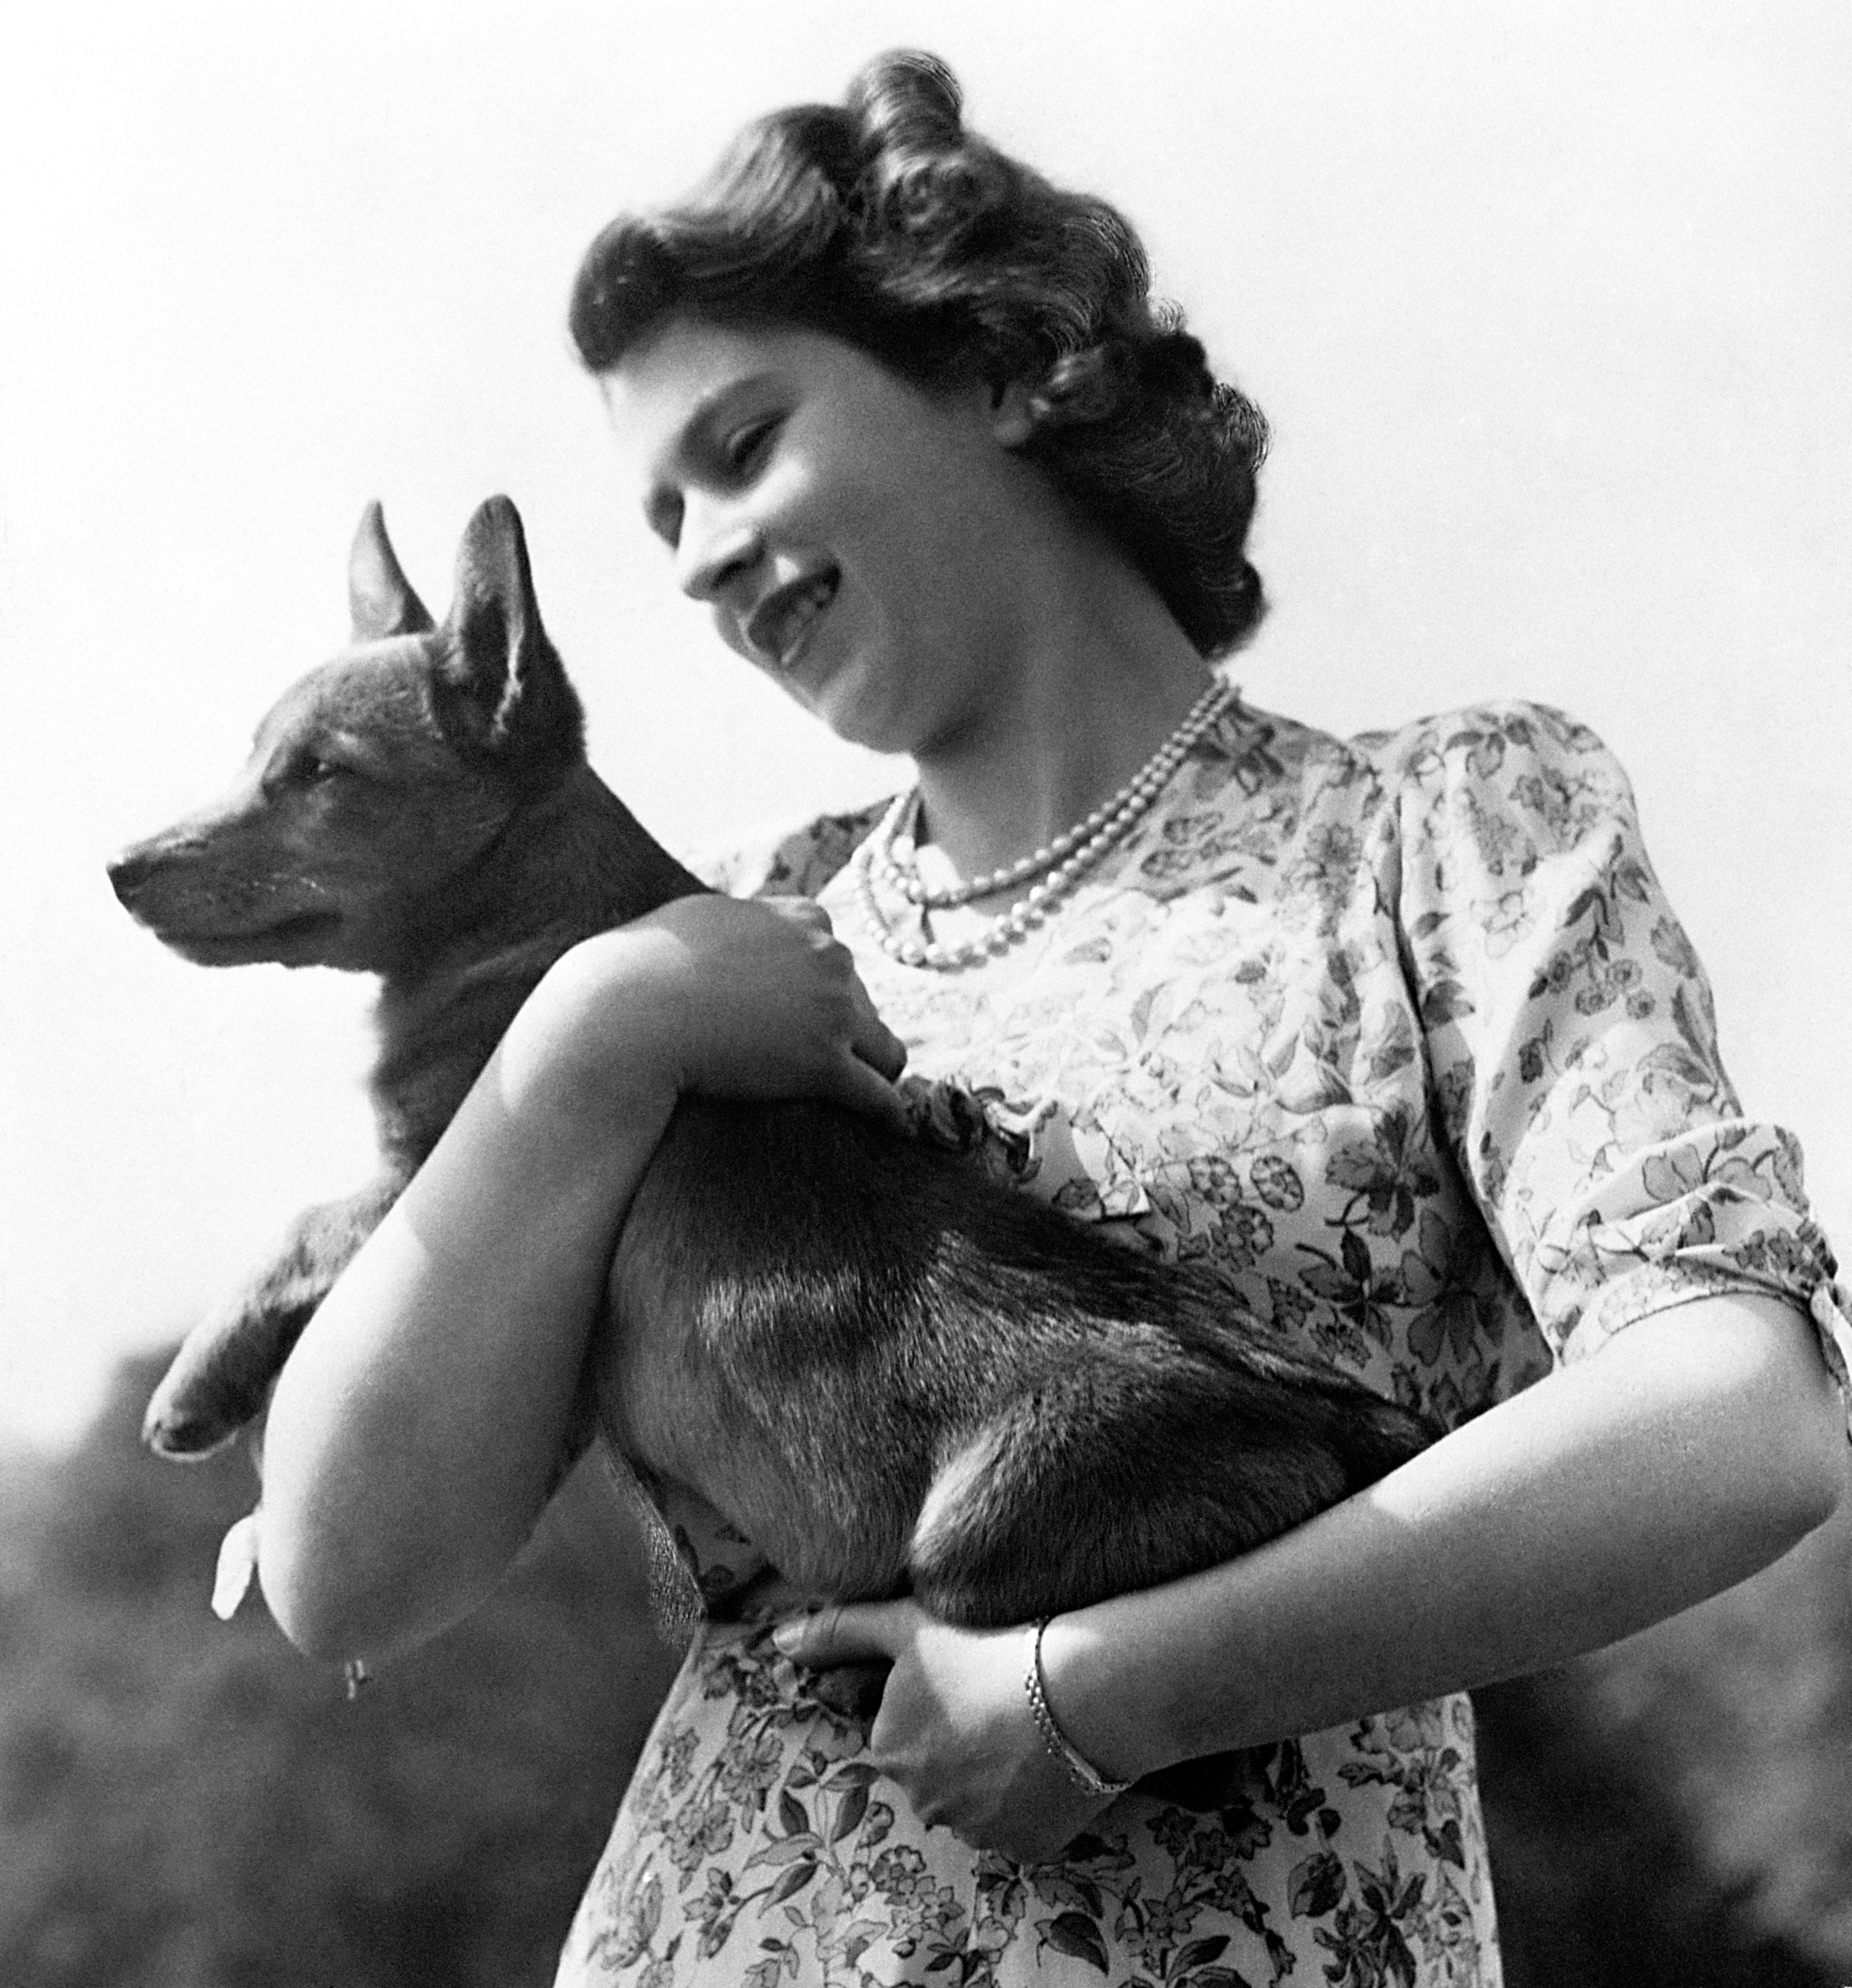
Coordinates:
(1096, 691)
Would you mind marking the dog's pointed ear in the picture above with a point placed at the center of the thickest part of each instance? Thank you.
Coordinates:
(378, 596)
(505, 673)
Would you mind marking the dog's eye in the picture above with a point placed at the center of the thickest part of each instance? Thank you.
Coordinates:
(311, 770)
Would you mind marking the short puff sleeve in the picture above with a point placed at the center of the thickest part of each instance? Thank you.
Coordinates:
(1573, 1044)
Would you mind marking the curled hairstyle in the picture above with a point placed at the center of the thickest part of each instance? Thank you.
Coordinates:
(886, 224)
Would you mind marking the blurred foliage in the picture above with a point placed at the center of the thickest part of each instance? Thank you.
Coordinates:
(1678, 1808)
(189, 1805)
(185, 1804)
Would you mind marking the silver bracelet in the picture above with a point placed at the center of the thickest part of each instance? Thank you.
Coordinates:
(1080, 1770)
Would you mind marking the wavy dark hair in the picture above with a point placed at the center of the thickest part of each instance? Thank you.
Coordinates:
(888, 225)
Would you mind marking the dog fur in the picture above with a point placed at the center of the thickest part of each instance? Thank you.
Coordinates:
(888, 1370)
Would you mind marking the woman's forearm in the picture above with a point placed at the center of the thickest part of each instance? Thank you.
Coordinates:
(415, 1432)
(1696, 1447)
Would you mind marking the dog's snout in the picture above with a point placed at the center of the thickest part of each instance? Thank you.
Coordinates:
(128, 871)
(142, 871)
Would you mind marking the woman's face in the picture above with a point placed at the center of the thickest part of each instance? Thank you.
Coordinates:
(855, 536)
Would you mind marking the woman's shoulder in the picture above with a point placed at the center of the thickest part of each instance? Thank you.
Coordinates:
(1514, 746)
(1480, 736)
(1503, 770)
(795, 860)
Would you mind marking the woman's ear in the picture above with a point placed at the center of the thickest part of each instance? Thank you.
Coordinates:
(1012, 420)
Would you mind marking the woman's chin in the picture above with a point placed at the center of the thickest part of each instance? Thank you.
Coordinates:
(840, 695)
(875, 730)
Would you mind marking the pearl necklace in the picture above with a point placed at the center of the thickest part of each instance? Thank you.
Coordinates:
(1061, 864)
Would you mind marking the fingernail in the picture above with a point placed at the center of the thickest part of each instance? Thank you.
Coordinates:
(787, 1635)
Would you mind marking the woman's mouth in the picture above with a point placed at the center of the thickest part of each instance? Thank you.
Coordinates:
(776, 631)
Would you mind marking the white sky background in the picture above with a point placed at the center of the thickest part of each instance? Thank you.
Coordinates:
(1550, 307)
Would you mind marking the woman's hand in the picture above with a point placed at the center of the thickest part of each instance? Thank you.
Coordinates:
(955, 1727)
(746, 998)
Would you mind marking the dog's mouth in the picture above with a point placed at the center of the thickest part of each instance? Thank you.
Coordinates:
(299, 939)
(214, 919)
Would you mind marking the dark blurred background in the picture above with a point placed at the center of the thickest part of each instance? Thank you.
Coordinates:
(185, 1804)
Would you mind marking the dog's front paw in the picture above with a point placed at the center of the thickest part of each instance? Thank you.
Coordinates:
(221, 1376)
(184, 1437)
(219, 1380)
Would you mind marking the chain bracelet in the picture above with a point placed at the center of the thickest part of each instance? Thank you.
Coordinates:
(1080, 1770)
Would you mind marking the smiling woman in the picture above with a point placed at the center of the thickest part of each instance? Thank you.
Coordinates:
(900, 235)
(1395, 1038)
(821, 549)
(808, 541)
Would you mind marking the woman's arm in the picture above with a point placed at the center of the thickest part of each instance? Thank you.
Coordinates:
(1696, 1447)
(414, 1432)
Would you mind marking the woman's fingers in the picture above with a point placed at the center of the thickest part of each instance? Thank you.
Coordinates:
(801, 911)
(954, 1729)
(875, 1042)
(874, 1047)
(752, 1000)
(847, 1632)
(857, 1086)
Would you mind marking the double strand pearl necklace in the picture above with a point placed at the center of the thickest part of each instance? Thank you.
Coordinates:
(888, 856)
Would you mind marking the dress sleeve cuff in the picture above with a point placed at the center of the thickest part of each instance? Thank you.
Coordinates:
(1829, 1306)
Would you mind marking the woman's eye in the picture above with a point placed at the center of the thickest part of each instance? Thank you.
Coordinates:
(745, 444)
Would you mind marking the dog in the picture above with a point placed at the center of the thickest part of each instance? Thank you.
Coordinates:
(889, 1371)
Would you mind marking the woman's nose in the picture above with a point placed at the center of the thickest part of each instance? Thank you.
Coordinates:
(715, 546)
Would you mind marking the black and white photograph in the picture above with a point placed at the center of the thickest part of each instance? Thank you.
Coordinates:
(926, 1047)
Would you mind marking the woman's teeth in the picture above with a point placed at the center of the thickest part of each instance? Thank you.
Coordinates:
(797, 616)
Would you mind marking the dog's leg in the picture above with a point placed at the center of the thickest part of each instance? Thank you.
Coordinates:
(1140, 1465)
(221, 1376)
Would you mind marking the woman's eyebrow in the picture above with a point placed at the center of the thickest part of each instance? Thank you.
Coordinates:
(710, 412)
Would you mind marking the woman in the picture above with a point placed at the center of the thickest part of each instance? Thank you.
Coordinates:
(1397, 1035)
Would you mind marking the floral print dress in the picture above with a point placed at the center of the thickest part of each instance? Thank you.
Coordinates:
(1398, 1035)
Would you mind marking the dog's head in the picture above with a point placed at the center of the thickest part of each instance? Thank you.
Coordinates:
(377, 782)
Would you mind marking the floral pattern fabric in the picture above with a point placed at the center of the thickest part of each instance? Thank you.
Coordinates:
(1398, 1037)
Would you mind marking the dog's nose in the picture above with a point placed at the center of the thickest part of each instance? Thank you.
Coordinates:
(128, 871)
